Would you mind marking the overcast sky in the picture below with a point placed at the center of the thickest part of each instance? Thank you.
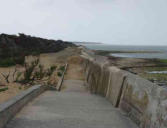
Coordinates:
(108, 21)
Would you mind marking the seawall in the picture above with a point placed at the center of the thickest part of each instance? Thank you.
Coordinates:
(144, 102)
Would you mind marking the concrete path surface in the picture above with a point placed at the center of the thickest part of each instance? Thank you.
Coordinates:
(74, 107)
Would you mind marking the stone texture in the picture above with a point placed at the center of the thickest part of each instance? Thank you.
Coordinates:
(144, 102)
(115, 85)
(104, 80)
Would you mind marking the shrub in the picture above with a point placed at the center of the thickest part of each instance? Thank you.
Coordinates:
(18, 76)
(39, 74)
(3, 89)
(59, 74)
(51, 70)
(35, 53)
(62, 68)
(19, 60)
(20, 88)
(7, 62)
(29, 70)
(41, 71)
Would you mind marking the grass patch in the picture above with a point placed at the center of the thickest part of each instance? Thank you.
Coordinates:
(3, 89)
(159, 77)
(163, 61)
(149, 69)
(7, 62)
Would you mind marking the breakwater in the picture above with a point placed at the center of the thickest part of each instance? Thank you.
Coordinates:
(143, 101)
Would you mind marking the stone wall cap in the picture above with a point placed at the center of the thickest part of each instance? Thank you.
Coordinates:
(18, 97)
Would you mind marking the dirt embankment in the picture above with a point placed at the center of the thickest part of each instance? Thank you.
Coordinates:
(57, 59)
(75, 70)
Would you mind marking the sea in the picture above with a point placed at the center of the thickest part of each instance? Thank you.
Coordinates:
(159, 51)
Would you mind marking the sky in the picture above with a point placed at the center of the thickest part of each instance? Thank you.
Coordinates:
(122, 22)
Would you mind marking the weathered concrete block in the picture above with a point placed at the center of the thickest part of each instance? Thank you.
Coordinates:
(115, 85)
(144, 102)
(11, 107)
(97, 76)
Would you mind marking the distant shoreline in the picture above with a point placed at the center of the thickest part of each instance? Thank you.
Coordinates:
(105, 52)
(87, 43)
(129, 51)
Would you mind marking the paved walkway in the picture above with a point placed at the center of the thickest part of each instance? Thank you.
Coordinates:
(74, 107)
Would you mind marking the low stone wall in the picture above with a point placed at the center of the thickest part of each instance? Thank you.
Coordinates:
(60, 82)
(9, 109)
(144, 102)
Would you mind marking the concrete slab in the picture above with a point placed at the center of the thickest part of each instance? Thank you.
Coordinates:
(74, 86)
(70, 109)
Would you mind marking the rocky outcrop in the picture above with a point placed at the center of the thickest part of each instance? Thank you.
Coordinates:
(144, 102)
(12, 45)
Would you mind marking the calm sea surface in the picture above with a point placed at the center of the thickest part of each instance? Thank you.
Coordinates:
(162, 49)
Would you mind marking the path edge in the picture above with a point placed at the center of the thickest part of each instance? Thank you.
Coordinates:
(10, 108)
(59, 85)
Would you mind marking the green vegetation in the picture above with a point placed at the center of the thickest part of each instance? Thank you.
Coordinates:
(19, 60)
(29, 69)
(18, 76)
(102, 53)
(20, 87)
(51, 70)
(59, 74)
(35, 53)
(158, 77)
(34, 72)
(164, 61)
(39, 74)
(3, 89)
(7, 62)
(146, 73)
(150, 69)
(154, 77)
(62, 68)
(106, 53)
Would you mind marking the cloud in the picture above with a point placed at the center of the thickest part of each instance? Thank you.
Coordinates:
(108, 21)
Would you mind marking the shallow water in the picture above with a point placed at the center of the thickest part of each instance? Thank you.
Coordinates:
(141, 55)
(162, 49)
(158, 72)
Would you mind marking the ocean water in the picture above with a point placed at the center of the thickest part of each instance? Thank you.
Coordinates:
(161, 49)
